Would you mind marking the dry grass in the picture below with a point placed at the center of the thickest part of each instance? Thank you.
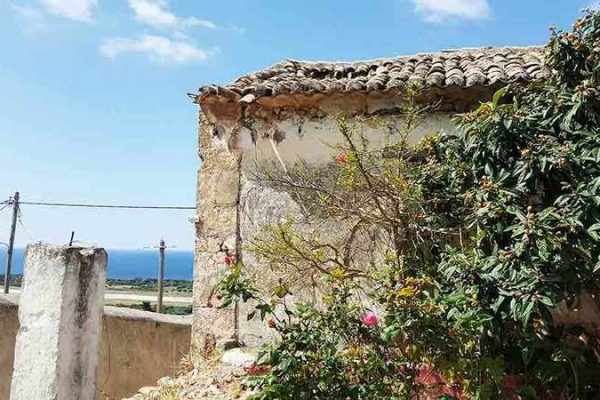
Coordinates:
(168, 393)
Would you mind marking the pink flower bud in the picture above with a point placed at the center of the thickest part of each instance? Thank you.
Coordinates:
(341, 159)
(229, 260)
(428, 376)
(370, 319)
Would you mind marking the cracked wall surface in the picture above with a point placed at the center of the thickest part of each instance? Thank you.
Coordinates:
(235, 140)
(216, 229)
(259, 206)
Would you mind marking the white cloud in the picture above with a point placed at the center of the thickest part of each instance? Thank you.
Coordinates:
(441, 10)
(34, 18)
(173, 46)
(158, 48)
(156, 13)
(79, 10)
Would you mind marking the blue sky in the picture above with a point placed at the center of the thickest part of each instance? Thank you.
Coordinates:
(94, 107)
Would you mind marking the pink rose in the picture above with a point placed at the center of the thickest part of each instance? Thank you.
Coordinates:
(428, 376)
(229, 260)
(341, 159)
(511, 384)
(370, 319)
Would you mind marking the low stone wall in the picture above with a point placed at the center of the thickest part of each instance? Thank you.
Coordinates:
(138, 348)
(9, 325)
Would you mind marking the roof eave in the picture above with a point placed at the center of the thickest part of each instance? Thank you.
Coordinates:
(218, 94)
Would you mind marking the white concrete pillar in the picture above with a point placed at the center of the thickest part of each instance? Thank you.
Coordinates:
(60, 315)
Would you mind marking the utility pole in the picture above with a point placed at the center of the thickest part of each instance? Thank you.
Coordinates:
(161, 274)
(72, 237)
(11, 242)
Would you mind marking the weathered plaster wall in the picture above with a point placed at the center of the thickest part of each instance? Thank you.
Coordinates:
(236, 137)
(137, 348)
(259, 206)
(60, 318)
(314, 140)
(233, 140)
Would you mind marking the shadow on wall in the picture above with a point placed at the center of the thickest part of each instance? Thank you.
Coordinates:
(137, 348)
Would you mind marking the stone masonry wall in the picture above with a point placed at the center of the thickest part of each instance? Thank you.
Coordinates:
(235, 138)
(217, 230)
(233, 141)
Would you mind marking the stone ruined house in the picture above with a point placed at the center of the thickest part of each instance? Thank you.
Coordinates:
(289, 111)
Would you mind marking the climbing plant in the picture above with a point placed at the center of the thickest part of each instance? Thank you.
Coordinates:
(471, 244)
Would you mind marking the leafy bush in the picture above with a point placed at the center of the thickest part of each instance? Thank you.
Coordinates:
(480, 237)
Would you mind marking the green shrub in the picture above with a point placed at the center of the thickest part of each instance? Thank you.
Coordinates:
(481, 236)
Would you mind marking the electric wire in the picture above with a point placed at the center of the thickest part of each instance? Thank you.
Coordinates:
(7, 203)
(85, 205)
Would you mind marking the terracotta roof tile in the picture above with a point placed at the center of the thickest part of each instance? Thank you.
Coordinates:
(457, 68)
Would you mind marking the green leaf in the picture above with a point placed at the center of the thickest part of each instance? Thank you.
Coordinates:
(527, 312)
(546, 301)
(499, 95)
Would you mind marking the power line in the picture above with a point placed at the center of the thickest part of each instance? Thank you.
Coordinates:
(18, 212)
(136, 207)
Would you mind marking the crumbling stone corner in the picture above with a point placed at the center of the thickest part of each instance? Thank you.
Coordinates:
(217, 230)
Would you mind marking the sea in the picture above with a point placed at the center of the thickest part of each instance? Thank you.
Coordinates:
(129, 264)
